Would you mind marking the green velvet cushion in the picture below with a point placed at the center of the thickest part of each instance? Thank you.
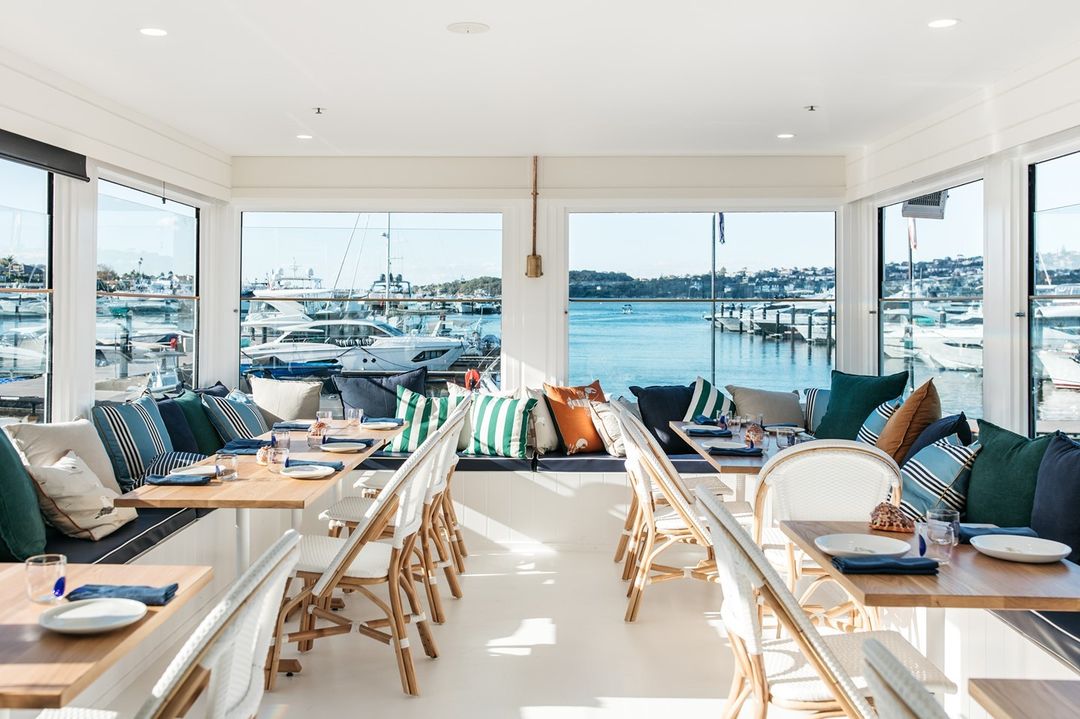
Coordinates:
(851, 400)
(22, 530)
(1002, 486)
(206, 437)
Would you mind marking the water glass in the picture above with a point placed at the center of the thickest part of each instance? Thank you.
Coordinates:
(786, 437)
(281, 438)
(278, 458)
(942, 533)
(46, 578)
(227, 468)
(353, 416)
(324, 415)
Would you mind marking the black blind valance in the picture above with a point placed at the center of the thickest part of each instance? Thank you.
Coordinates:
(42, 155)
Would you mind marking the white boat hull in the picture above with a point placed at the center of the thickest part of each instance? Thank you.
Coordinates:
(1063, 368)
(391, 354)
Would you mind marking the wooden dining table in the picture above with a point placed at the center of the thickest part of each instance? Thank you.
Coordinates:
(256, 487)
(738, 467)
(40, 669)
(1027, 698)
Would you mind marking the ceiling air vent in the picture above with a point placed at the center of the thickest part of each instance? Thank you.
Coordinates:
(926, 207)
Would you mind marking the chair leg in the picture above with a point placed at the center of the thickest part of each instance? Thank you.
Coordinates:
(633, 549)
(397, 629)
(429, 577)
(641, 580)
(423, 627)
(620, 548)
(307, 619)
(273, 659)
(446, 559)
(452, 523)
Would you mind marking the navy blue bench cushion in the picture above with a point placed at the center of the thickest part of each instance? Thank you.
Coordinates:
(1055, 632)
(390, 461)
(125, 544)
(684, 463)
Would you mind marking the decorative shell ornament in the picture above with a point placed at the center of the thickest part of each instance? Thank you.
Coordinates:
(887, 518)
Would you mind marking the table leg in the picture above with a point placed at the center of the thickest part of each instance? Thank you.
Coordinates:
(243, 539)
(934, 637)
(297, 518)
(740, 487)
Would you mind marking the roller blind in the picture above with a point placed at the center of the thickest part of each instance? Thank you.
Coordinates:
(42, 155)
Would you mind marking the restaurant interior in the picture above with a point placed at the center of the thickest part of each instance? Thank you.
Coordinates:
(632, 359)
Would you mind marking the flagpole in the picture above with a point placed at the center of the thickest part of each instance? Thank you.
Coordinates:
(712, 294)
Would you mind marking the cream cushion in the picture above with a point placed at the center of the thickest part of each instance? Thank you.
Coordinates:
(607, 426)
(542, 424)
(286, 400)
(42, 445)
(73, 499)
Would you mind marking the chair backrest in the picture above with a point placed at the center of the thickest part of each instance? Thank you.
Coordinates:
(744, 573)
(627, 416)
(412, 475)
(230, 643)
(447, 453)
(826, 480)
(897, 694)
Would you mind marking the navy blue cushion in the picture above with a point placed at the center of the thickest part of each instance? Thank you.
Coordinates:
(684, 463)
(125, 544)
(391, 461)
(217, 390)
(377, 396)
(660, 405)
(1057, 494)
(176, 422)
(945, 427)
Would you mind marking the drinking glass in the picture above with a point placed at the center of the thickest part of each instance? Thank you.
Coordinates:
(353, 416)
(785, 437)
(46, 578)
(942, 533)
(324, 415)
(227, 470)
(281, 438)
(278, 458)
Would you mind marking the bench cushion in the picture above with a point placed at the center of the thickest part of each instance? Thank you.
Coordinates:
(1057, 633)
(391, 461)
(126, 543)
(684, 463)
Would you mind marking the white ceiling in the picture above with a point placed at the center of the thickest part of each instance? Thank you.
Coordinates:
(556, 77)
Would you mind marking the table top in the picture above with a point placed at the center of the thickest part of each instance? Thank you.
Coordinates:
(258, 487)
(723, 465)
(1026, 698)
(970, 580)
(40, 669)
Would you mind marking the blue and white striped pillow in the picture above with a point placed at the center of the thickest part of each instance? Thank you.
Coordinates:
(166, 462)
(500, 426)
(817, 402)
(235, 416)
(423, 416)
(134, 435)
(871, 428)
(937, 475)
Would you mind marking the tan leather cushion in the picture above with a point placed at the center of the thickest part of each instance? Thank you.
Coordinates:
(918, 412)
(570, 406)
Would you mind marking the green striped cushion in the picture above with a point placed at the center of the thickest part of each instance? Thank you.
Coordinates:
(708, 401)
(500, 426)
(423, 416)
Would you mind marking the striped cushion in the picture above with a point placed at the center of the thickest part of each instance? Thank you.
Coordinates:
(235, 416)
(423, 414)
(166, 462)
(500, 426)
(708, 401)
(817, 402)
(937, 475)
(871, 428)
(134, 435)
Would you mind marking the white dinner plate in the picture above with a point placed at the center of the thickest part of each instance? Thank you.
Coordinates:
(723, 444)
(92, 616)
(308, 471)
(380, 425)
(200, 471)
(1030, 550)
(861, 545)
(344, 447)
(778, 427)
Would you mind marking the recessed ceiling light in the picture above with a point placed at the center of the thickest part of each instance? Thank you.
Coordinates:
(303, 137)
(785, 136)
(942, 23)
(468, 28)
(154, 32)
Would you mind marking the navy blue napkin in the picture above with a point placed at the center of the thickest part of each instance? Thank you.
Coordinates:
(345, 440)
(705, 432)
(152, 596)
(885, 565)
(245, 446)
(396, 420)
(176, 480)
(736, 451)
(336, 466)
(702, 419)
(293, 426)
(966, 533)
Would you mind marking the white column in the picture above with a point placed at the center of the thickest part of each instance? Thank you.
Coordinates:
(74, 263)
(219, 293)
(857, 289)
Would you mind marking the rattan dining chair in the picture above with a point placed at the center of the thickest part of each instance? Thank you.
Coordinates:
(897, 694)
(222, 660)
(359, 562)
(806, 671)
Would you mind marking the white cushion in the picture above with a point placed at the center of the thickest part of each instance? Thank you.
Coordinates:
(73, 499)
(347, 509)
(42, 445)
(542, 424)
(282, 400)
(317, 553)
(607, 426)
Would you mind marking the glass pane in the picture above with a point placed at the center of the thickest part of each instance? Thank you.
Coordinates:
(938, 340)
(316, 299)
(143, 344)
(1055, 365)
(24, 317)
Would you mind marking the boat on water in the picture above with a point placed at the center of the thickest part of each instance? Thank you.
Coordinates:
(25, 307)
(1063, 367)
(628, 309)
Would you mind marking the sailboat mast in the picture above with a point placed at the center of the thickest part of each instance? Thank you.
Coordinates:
(386, 308)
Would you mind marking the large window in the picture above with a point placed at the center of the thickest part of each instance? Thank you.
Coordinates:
(25, 283)
(743, 298)
(1055, 295)
(346, 293)
(147, 298)
(930, 305)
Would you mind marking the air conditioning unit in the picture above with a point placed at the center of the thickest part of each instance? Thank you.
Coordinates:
(926, 207)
